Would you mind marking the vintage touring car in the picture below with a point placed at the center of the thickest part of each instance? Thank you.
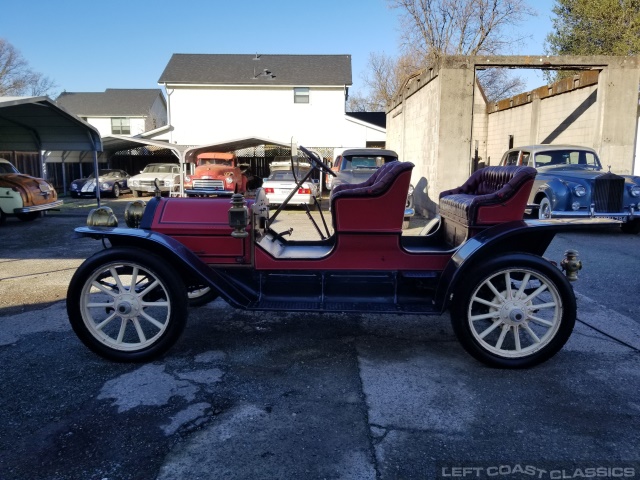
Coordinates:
(509, 306)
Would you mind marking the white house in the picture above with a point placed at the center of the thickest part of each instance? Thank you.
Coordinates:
(118, 111)
(215, 97)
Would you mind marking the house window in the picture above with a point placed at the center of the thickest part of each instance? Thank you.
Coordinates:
(301, 95)
(120, 126)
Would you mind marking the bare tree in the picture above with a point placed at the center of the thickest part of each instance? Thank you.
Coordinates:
(16, 78)
(432, 29)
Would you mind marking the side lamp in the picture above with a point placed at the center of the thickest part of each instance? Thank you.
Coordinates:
(238, 216)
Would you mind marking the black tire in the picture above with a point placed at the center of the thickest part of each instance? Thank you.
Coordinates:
(136, 193)
(544, 210)
(199, 295)
(632, 227)
(120, 323)
(29, 216)
(75, 195)
(116, 190)
(3, 217)
(512, 332)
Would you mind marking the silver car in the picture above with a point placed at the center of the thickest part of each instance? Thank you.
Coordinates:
(570, 183)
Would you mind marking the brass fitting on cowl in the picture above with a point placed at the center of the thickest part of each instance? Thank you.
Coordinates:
(102, 217)
(571, 264)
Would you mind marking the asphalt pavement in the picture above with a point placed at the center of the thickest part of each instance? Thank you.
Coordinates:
(247, 395)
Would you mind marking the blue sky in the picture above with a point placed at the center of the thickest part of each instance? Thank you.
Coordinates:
(90, 46)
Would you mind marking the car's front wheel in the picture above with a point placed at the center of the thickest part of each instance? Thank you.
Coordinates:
(116, 190)
(544, 210)
(515, 311)
(632, 226)
(127, 305)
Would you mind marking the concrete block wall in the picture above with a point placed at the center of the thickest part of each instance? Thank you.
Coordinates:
(412, 131)
(437, 120)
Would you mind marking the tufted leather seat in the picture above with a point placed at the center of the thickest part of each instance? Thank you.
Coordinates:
(377, 183)
(491, 195)
(376, 204)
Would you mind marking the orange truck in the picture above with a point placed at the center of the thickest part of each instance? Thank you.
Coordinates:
(215, 173)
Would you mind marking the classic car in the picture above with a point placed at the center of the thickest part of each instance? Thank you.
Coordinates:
(357, 164)
(22, 195)
(571, 184)
(215, 173)
(510, 307)
(112, 182)
(281, 183)
(166, 173)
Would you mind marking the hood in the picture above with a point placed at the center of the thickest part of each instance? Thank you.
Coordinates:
(215, 170)
(153, 175)
(575, 174)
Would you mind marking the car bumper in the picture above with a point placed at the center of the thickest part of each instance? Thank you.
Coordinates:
(39, 208)
(620, 216)
(277, 199)
(207, 191)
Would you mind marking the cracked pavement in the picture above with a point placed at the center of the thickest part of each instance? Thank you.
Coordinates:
(262, 396)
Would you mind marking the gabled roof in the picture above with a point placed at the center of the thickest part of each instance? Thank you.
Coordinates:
(257, 69)
(113, 102)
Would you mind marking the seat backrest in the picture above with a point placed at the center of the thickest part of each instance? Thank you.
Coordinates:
(374, 205)
(490, 180)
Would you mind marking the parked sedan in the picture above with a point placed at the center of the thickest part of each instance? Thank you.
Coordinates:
(570, 183)
(280, 183)
(112, 182)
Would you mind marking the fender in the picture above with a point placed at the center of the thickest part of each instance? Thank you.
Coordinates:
(185, 262)
(555, 190)
(524, 236)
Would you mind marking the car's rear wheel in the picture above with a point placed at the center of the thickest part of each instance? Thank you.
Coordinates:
(200, 295)
(29, 216)
(544, 210)
(3, 217)
(116, 190)
(632, 226)
(515, 311)
(127, 305)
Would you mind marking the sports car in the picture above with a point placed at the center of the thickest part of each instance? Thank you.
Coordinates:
(112, 182)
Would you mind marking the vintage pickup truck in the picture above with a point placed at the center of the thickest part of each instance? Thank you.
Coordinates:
(216, 173)
(479, 259)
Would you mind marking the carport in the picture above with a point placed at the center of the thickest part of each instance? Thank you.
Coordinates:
(29, 124)
(187, 155)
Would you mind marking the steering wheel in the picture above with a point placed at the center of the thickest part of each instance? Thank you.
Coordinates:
(316, 162)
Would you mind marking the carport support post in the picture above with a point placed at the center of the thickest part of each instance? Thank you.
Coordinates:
(95, 174)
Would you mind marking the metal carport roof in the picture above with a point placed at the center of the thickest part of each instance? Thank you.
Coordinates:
(37, 123)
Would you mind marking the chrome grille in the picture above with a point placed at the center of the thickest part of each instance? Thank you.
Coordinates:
(608, 192)
(208, 184)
